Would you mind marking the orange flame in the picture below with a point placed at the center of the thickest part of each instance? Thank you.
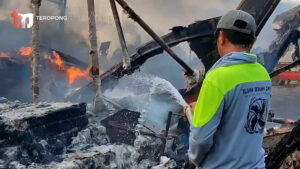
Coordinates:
(73, 72)
(4, 55)
(25, 51)
(58, 61)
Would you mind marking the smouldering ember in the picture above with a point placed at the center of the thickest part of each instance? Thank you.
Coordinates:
(73, 72)
(4, 55)
(25, 51)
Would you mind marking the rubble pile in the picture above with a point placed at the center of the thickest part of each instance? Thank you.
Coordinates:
(38, 133)
(70, 136)
(67, 136)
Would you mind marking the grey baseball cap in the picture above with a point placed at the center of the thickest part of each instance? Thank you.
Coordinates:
(238, 20)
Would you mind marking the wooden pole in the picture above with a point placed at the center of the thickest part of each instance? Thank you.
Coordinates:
(188, 71)
(63, 7)
(62, 4)
(93, 39)
(126, 58)
(35, 56)
(94, 60)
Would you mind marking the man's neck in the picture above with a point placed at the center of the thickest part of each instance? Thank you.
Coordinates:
(235, 49)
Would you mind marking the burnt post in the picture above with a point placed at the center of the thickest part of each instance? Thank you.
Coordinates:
(62, 13)
(62, 4)
(297, 50)
(165, 137)
(126, 58)
(35, 56)
(192, 76)
(94, 60)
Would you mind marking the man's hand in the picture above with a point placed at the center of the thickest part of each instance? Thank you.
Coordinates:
(192, 106)
(192, 164)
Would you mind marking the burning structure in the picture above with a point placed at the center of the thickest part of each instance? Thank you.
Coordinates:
(17, 64)
(66, 135)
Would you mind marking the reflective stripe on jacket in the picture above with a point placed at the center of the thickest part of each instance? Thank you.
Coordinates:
(230, 115)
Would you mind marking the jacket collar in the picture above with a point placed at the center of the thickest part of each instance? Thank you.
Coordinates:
(235, 58)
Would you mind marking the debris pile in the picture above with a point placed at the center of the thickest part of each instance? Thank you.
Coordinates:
(37, 133)
(63, 135)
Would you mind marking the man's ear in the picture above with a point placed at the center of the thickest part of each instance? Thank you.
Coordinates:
(221, 39)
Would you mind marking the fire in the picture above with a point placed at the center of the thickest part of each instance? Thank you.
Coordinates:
(25, 51)
(73, 72)
(4, 55)
(58, 61)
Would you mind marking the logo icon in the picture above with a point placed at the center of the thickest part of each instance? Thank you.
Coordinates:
(257, 115)
(26, 20)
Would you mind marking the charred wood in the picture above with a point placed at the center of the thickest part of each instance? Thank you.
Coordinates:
(126, 58)
(285, 68)
(42, 131)
(120, 127)
(94, 59)
(35, 56)
(289, 144)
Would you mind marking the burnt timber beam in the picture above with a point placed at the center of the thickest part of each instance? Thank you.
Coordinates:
(188, 71)
(279, 47)
(290, 37)
(126, 58)
(261, 10)
(286, 146)
(285, 68)
(62, 4)
(66, 57)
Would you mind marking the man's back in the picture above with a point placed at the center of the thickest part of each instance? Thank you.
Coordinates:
(231, 113)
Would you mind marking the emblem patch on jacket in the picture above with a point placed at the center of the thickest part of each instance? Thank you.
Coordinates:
(257, 115)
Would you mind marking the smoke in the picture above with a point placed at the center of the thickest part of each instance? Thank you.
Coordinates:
(161, 15)
(167, 13)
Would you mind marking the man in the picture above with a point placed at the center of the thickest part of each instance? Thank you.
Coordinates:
(232, 107)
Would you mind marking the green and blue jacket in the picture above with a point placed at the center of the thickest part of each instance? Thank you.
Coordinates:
(230, 115)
